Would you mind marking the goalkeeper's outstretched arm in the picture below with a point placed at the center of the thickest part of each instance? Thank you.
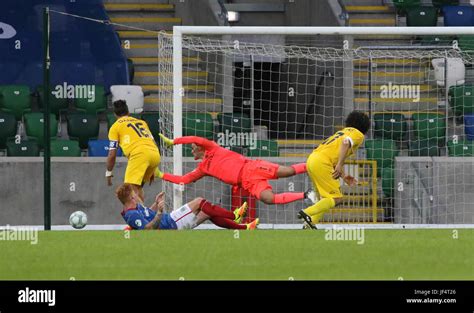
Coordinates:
(185, 179)
(200, 141)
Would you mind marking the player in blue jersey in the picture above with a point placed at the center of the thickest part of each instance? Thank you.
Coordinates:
(190, 215)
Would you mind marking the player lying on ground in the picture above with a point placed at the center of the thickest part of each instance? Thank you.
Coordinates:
(326, 165)
(138, 145)
(235, 169)
(190, 215)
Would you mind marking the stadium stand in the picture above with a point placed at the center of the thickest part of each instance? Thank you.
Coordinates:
(8, 128)
(15, 99)
(469, 126)
(382, 151)
(462, 148)
(153, 121)
(94, 103)
(34, 126)
(424, 147)
(430, 126)
(198, 124)
(65, 148)
(458, 15)
(234, 122)
(422, 16)
(100, 148)
(82, 127)
(23, 149)
(462, 99)
(390, 126)
(264, 148)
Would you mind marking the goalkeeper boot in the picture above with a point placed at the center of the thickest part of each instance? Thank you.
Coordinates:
(240, 212)
(306, 219)
(253, 225)
(311, 195)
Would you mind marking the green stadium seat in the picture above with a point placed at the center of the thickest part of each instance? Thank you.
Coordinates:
(424, 147)
(390, 126)
(437, 40)
(382, 151)
(65, 148)
(153, 121)
(34, 126)
(15, 99)
(23, 149)
(466, 43)
(111, 118)
(461, 99)
(82, 127)
(56, 104)
(234, 122)
(441, 3)
(422, 16)
(198, 124)
(431, 126)
(187, 151)
(264, 148)
(388, 181)
(7, 128)
(401, 5)
(463, 148)
(99, 104)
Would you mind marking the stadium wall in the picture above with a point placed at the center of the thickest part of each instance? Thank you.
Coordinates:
(438, 190)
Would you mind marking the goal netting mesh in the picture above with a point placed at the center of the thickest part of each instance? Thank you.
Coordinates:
(278, 97)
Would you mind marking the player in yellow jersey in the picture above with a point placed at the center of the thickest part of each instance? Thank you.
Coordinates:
(326, 163)
(138, 145)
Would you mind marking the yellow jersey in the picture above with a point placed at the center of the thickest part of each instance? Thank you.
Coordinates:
(132, 135)
(330, 147)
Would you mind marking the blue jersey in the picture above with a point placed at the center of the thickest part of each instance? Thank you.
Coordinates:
(140, 216)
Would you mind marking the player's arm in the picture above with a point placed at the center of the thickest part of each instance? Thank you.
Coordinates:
(185, 179)
(200, 141)
(159, 203)
(136, 221)
(113, 146)
(345, 146)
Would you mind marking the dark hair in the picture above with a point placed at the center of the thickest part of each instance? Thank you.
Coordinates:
(120, 108)
(359, 121)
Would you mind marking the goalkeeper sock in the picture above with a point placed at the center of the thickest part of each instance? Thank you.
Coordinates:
(287, 197)
(321, 207)
(227, 223)
(215, 211)
(299, 168)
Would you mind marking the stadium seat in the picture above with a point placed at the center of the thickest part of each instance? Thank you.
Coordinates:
(23, 149)
(422, 16)
(390, 126)
(7, 128)
(34, 126)
(234, 122)
(463, 148)
(402, 5)
(16, 99)
(153, 121)
(469, 126)
(56, 104)
(458, 15)
(388, 181)
(424, 147)
(111, 119)
(65, 148)
(100, 148)
(82, 127)
(441, 3)
(133, 95)
(461, 99)
(437, 40)
(382, 151)
(456, 71)
(198, 124)
(187, 151)
(264, 148)
(431, 126)
(93, 103)
(466, 43)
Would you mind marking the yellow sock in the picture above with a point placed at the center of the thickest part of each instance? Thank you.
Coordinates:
(322, 206)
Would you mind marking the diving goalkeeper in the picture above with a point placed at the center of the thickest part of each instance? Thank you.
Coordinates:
(235, 169)
(325, 166)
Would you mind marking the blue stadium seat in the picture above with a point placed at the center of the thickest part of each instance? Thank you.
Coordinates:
(100, 148)
(458, 15)
(469, 126)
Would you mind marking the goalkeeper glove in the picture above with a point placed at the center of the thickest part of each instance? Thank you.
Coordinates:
(158, 173)
(168, 142)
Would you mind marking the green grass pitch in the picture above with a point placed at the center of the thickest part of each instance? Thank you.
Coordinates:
(250, 255)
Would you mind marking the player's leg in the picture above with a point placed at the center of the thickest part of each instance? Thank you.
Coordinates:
(263, 191)
(134, 173)
(217, 215)
(288, 171)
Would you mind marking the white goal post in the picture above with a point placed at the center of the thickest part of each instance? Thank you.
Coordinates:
(182, 32)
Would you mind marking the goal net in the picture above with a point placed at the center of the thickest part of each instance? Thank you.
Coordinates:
(277, 97)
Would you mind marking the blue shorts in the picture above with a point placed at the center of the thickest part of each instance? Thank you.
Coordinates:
(167, 222)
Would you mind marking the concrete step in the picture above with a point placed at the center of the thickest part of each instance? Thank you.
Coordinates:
(139, 15)
(140, 1)
(149, 23)
(153, 77)
(133, 7)
(138, 34)
(424, 88)
(187, 88)
(366, 19)
(406, 104)
(361, 77)
(390, 62)
(155, 60)
(192, 102)
(368, 9)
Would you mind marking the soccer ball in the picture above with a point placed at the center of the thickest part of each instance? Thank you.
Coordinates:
(78, 219)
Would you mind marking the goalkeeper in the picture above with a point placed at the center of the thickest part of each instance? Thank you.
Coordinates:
(325, 166)
(235, 169)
